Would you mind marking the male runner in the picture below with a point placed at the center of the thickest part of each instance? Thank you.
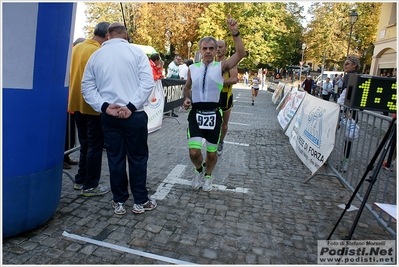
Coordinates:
(226, 96)
(202, 91)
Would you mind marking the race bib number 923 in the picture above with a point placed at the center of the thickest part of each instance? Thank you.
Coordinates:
(206, 120)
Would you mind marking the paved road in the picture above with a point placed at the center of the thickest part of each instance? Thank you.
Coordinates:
(260, 211)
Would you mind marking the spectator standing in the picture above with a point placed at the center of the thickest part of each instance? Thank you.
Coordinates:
(202, 90)
(308, 84)
(88, 121)
(327, 89)
(70, 136)
(226, 95)
(246, 77)
(156, 66)
(183, 75)
(264, 78)
(351, 65)
(334, 91)
(339, 83)
(184, 69)
(173, 68)
(255, 87)
(173, 73)
(118, 81)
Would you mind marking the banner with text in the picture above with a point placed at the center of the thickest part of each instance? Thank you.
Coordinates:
(289, 107)
(312, 131)
(356, 252)
(155, 106)
(277, 93)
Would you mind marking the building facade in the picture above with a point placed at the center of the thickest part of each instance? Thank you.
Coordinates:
(384, 60)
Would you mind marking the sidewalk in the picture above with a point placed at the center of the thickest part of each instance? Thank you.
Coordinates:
(260, 211)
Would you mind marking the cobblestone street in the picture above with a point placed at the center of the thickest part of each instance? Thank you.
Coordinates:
(259, 212)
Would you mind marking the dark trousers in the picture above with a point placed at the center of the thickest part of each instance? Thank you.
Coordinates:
(347, 148)
(326, 97)
(127, 138)
(91, 139)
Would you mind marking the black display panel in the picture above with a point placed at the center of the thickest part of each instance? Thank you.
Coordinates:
(371, 93)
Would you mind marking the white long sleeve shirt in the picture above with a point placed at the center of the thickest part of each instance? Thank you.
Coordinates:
(117, 73)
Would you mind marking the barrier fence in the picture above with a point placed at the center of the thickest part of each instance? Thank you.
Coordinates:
(356, 153)
(372, 128)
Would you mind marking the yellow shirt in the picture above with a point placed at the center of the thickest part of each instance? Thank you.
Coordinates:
(80, 55)
(227, 88)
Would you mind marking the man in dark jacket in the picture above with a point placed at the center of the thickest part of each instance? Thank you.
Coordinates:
(308, 84)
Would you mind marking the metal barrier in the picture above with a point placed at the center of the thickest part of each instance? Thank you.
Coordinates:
(372, 129)
(70, 151)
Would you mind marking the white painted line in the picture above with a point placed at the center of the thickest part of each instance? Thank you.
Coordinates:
(351, 208)
(244, 113)
(174, 178)
(128, 250)
(167, 184)
(245, 101)
(238, 123)
(236, 190)
(237, 144)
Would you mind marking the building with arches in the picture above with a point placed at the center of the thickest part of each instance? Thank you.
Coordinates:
(385, 47)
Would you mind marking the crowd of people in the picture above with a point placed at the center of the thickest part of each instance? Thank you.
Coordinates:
(110, 83)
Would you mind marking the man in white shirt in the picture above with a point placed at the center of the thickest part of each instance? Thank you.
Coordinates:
(184, 69)
(117, 82)
(173, 73)
(173, 68)
(327, 88)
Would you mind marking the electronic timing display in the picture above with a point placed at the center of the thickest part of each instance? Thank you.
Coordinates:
(371, 93)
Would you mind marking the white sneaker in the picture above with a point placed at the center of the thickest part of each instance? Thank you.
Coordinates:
(220, 148)
(208, 184)
(197, 180)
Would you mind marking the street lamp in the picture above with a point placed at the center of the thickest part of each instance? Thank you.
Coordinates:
(352, 19)
(300, 70)
(189, 46)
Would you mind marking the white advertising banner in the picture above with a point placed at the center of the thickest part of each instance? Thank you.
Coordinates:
(277, 92)
(154, 109)
(287, 92)
(289, 107)
(312, 131)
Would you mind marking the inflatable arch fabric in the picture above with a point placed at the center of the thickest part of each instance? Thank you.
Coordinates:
(37, 42)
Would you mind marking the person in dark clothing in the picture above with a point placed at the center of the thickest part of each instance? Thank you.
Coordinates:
(351, 65)
(308, 84)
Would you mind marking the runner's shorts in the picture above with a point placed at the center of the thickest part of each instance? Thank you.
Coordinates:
(226, 101)
(204, 124)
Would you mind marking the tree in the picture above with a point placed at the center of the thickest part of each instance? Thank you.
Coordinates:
(97, 12)
(270, 31)
(156, 24)
(329, 30)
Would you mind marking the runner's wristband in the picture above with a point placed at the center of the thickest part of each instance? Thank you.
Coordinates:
(237, 34)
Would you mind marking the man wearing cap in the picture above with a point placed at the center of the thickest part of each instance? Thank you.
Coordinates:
(308, 84)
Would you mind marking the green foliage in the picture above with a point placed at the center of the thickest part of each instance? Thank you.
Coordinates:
(329, 31)
(272, 31)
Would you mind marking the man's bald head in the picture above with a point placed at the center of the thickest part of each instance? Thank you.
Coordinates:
(117, 30)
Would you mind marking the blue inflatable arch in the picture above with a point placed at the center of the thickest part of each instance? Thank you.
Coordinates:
(37, 41)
